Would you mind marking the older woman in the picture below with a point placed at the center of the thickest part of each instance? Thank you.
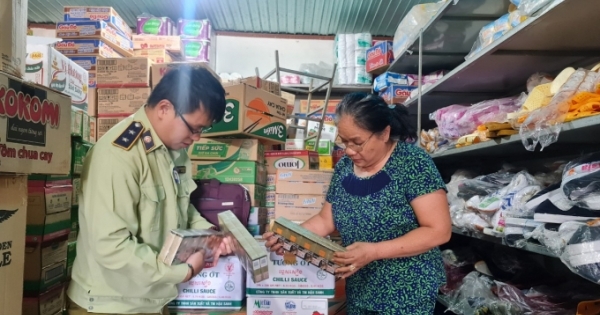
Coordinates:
(388, 202)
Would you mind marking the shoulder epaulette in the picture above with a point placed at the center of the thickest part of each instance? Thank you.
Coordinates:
(148, 141)
(127, 139)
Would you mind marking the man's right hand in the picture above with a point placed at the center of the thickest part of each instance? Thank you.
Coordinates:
(196, 260)
(272, 244)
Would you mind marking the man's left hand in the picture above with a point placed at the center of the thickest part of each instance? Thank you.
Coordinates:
(355, 257)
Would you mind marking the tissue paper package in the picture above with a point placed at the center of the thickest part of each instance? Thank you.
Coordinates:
(351, 54)
(151, 25)
(195, 50)
(195, 29)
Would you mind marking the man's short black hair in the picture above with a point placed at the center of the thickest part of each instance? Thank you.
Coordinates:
(190, 88)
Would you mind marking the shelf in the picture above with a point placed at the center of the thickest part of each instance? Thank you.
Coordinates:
(449, 36)
(549, 42)
(529, 247)
(582, 131)
(335, 88)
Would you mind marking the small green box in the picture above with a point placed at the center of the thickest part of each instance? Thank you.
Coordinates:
(231, 172)
(71, 254)
(80, 150)
(76, 121)
(85, 127)
(325, 146)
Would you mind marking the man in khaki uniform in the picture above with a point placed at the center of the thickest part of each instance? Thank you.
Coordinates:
(136, 188)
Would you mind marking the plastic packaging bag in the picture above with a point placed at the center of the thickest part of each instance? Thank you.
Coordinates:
(530, 7)
(581, 181)
(416, 19)
(582, 252)
(542, 126)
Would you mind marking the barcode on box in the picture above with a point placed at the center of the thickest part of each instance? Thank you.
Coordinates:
(107, 62)
(108, 92)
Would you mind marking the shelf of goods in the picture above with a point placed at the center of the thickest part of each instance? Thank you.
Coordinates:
(336, 89)
(529, 246)
(548, 42)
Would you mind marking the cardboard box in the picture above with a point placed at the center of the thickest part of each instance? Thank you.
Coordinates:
(71, 254)
(50, 302)
(154, 25)
(80, 150)
(76, 121)
(258, 82)
(296, 214)
(252, 112)
(13, 23)
(13, 190)
(258, 194)
(271, 198)
(271, 179)
(86, 127)
(159, 70)
(308, 182)
(171, 43)
(215, 287)
(231, 172)
(325, 162)
(300, 279)
(227, 150)
(86, 47)
(155, 55)
(77, 189)
(123, 72)
(383, 81)
(96, 30)
(48, 67)
(121, 101)
(45, 264)
(380, 56)
(258, 215)
(300, 200)
(89, 64)
(33, 141)
(284, 306)
(397, 94)
(258, 229)
(104, 123)
(316, 104)
(297, 160)
(106, 14)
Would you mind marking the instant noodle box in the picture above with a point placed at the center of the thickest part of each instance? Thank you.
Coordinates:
(252, 112)
(35, 128)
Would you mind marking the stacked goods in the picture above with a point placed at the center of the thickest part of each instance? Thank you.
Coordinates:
(235, 161)
(379, 57)
(13, 23)
(156, 26)
(123, 88)
(90, 34)
(48, 67)
(396, 88)
(300, 194)
(351, 53)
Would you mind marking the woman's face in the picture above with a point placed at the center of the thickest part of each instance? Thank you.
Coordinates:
(362, 146)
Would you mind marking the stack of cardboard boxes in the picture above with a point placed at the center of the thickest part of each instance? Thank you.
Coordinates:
(30, 143)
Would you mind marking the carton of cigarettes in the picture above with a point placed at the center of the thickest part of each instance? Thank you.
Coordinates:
(181, 244)
(252, 255)
(307, 245)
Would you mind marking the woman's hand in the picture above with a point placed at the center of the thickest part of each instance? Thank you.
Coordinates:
(224, 249)
(271, 243)
(355, 257)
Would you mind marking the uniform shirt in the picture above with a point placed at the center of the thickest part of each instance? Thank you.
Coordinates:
(135, 190)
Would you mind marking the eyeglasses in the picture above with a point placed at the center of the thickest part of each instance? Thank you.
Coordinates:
(192, 130)
(354, 147)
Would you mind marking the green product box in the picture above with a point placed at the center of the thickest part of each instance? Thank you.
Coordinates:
(325, 146)
(231, 172)
(76, 190)
(85, 127)
(80, 150)
(227, 150)
(71, 254)
(76, 121)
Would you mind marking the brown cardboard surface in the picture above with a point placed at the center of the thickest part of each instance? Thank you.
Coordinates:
(38, 140)
(13, 217)
(257, 82)
(252, 112)
(171, 43)
(50, 302)
(104, 123)
(159, 70)
(300, 200)
(121, 101)
(227, 149)
(123, 72)
(155, 55)
(293, 159)
(13, 23)
(305, 181)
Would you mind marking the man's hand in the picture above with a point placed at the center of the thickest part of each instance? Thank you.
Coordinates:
(272, 244)
(196, 260)
(225, 248)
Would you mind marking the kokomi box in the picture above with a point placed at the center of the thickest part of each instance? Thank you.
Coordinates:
(106, 14)
(13, 218)
(35, 128)
(123, 72)
(219, 286)
(293, 159)
(252, 112)
(96, 30)
(86, 47)
(381, 55)
(122, 101)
